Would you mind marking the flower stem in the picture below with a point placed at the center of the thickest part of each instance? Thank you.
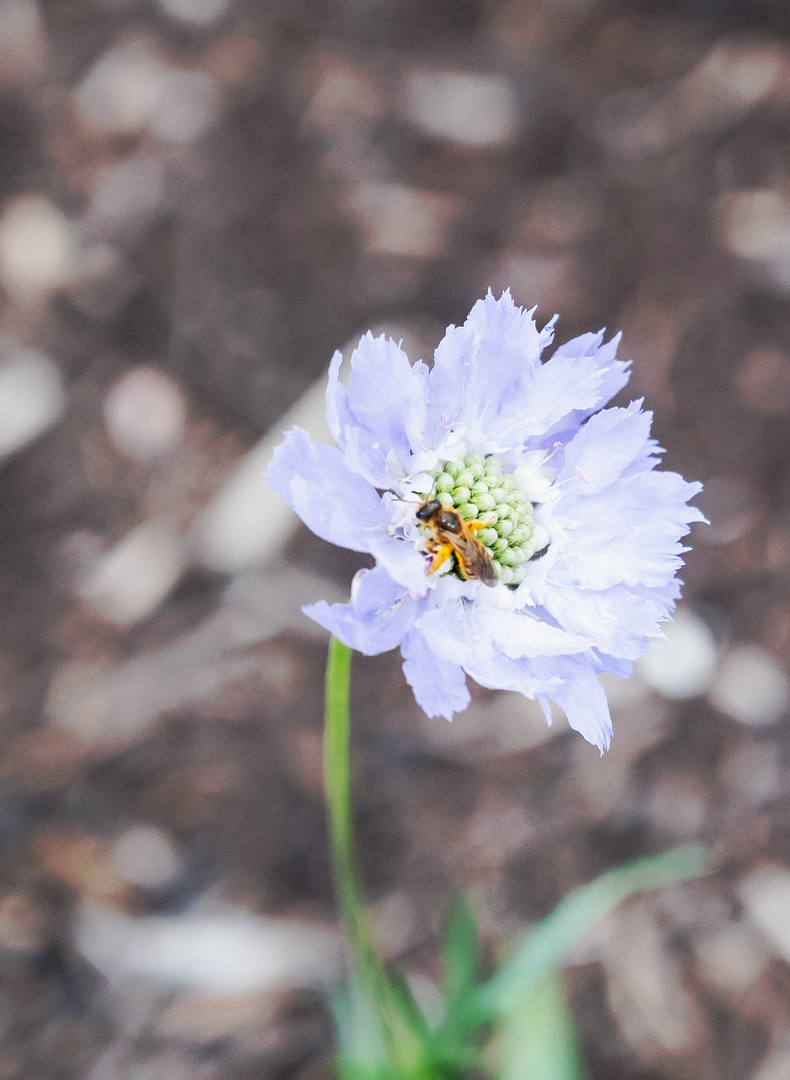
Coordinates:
(337, 783)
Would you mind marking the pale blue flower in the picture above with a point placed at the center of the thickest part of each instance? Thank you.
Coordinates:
(583, 531)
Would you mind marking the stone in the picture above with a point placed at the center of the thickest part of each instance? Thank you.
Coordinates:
(131, 579)
(682, 665)
(397, 220)
(731, 959)
(146, 856)
(145, 413)
(645, 990)
(751, 687)
(37, 247)
(765, 894)
(31, 398)
(465, 107)
(228, 952)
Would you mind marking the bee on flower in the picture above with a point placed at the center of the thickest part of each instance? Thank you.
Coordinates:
(521, 531)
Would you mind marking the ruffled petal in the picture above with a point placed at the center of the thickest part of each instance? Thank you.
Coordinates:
(633, 500)
(364, 458)
(379, 617)
(439, 685)
(488, 379)
(561, 383)
(582, 699)
(617, 621)
(379, 421)
(614, 665)
(402, 562)
(336, 504)
(361, 451)
(383, 390)
(643, 555)
(338, 413)
(569, 680)
(483, 370)
(466, 631)
(614, 372)
(447, 400)
(527, 676)
(604, 447)
(665, 598)
(628, 533)
(415, 406)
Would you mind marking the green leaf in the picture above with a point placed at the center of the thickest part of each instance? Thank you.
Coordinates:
(461, 951)
(362, 1047)
(537, 1040)
(406, 1013)
(453, 1039)
(451, 1050)
(386, 1038)
(544, 947)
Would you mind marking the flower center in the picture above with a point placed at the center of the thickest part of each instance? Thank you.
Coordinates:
(478, 490)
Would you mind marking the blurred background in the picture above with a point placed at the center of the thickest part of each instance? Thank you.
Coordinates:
(199, 201)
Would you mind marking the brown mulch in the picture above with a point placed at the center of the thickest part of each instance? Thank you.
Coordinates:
(240, 259)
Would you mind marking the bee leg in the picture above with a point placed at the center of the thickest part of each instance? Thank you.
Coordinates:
(441, 556)
(476, 526)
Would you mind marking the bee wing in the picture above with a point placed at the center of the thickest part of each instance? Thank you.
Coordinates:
(474, 558)
(484, 569)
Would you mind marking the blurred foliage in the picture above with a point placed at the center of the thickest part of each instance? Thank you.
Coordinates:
(515, 1026)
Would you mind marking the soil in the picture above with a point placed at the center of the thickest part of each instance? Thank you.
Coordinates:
(624, 164)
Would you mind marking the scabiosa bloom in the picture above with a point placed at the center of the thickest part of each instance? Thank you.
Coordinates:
(561, 496)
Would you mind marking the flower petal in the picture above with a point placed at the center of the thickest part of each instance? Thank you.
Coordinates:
(402, 562)
(336, 504)
(383, 390)
(629, 531)
(338, 413)
(617, 621)
(481, 367)
(379, 421)
(439, 685)
(643, 555)
(415, 413)
(465, 630)
(488, 379)
(636, 500)
(582, 699)
(556, 387)
(381, 614)
(620, 537)
(356, 442)
(614, 372)
(527, 676)
(604, 447)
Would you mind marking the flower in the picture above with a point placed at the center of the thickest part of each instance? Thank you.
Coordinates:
(582, 532)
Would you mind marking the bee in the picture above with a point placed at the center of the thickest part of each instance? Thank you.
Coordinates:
(451, 535)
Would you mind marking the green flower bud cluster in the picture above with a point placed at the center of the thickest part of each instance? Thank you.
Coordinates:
(478, 490)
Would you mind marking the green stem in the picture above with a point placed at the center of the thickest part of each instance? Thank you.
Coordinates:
(337, 782)
(387, 1004)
